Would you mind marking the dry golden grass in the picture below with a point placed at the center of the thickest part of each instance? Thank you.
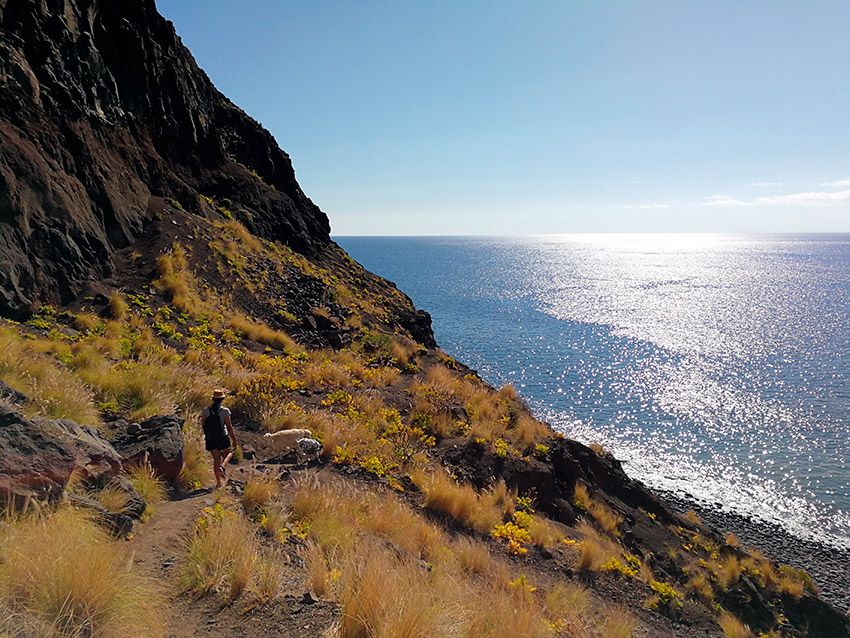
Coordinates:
(382, 595)
(403, 349)
(61, 576)
(117, 306)
(569, 601)
(197, 463)
(112, 499)
(727, 571)
(261, 333)
(149, 486)
(176, 281)
(474, 557)
(597, 447)
(391, 519)
(326, 374)
(732, 627)
(268, 576)
(497, 611)
(529, 431)
(481, 512)
(594, 550)
(52, 390)
(318, 573)
(544, 533)
(700, 585)
(732, 540)
(617, 623)
(692, 517)
(87, 322)
(260, 489)
(223, 555)
(381, 377)
(605, 517)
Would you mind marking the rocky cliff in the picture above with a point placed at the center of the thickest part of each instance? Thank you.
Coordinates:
(105, 117)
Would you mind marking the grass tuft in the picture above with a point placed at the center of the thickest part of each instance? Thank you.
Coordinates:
(62, 576)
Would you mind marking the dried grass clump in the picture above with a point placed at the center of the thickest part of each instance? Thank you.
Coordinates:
(732, 627)
(112, 499)
(326, 373)
(568, 603)
(594, 550)
(497, 611)
(149, 486)
(117, 306)
(529, 431)
(727, 571)
(52, 390)
(605, 517)
(474, 557)
(481, 512)
(617, 623)
(259, 491)
(62, 576)
(197, 467)
(383, 595)
(224, 555)
(319, 578)
(176, 280)
(261, 333)
(391, 519)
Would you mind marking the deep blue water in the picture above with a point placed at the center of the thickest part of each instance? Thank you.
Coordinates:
(715, 366)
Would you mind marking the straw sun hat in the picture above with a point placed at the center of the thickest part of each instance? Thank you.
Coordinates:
(219, 394)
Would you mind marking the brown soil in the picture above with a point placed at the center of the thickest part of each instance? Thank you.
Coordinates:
(158, 547)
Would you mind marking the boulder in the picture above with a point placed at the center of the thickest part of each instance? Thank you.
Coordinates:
(11, 395)
(37, 457)
(135, 505)
(116, 522)
(159, 439)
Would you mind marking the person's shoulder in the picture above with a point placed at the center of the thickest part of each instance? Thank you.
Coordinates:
(225, 411)
(206, 411)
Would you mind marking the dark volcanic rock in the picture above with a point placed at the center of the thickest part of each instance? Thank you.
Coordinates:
(39, 456)
(106, 121)
(11, 395)
(159, 440)
(118, 523)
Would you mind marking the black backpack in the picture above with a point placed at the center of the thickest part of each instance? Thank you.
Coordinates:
(214, 428)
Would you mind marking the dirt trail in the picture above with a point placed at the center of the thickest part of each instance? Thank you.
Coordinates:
(158, 546)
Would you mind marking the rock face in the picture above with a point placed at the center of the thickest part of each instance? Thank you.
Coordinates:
(106, 121)
(39, 457)
(159, 440)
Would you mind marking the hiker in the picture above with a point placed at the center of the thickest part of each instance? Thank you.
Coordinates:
(219, 436)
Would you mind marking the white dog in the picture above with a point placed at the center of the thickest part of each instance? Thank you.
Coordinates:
(285, 440)
(308, 448)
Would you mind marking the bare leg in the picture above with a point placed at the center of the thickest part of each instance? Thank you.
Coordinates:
(219, 479)
(227, 458)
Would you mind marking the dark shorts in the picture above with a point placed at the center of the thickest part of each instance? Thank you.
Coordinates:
(218, 444)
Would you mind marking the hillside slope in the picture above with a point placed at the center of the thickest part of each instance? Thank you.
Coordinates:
(104, 117)
(155, 244)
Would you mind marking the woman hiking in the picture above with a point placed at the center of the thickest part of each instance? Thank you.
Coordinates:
(219, 436)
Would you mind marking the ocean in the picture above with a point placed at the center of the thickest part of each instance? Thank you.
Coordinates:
(716, 367)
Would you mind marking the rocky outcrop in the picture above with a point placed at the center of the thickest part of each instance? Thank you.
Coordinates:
(38, 457)
(106, 122)
(158, 441)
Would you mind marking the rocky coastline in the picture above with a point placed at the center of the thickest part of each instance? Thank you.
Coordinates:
(829, 566)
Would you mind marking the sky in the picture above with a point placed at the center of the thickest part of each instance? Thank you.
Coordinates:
(482, 117)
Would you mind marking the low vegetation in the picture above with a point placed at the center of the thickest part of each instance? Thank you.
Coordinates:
(62, 576)
(420, 554)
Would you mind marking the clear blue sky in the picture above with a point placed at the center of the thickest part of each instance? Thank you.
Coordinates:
(487, 117)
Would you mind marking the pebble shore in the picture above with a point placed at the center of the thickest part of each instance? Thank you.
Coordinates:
(829, 566)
